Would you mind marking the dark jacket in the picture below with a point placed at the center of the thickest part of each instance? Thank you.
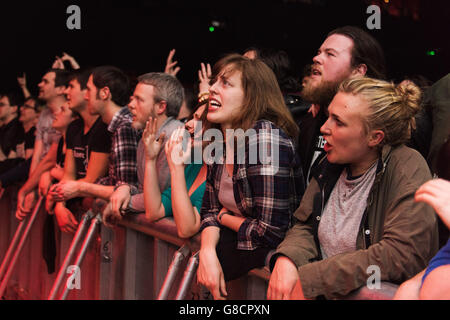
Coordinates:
(396, 234)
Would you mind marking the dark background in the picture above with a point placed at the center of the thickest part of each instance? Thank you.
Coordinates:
(136, 35)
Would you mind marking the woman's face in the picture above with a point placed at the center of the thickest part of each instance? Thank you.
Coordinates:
(194, 126)
(346, 140)
(63, 118)
(226, 97)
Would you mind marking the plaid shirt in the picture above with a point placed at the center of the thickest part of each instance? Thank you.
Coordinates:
(122, 159)
(265, 195)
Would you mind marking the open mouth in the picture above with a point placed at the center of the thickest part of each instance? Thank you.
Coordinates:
(214, 104)
(315, 72)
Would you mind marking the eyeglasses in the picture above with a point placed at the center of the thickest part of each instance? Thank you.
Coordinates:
(28, 106)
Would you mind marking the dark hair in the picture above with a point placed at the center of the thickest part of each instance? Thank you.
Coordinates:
(278, 61)
(442, 167)
(366, 50)
(82, 76)
(14, 98)
(61, 77)
(117, 82)
(190, 98)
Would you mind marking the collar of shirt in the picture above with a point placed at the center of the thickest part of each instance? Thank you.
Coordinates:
(121, 116)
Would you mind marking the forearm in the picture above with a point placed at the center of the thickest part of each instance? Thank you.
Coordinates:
(26, 92)
(210, 238)
(36, 156)
(152, 194)
(86, 189)
(186, 217)
(230, 221)
(57, 173)
(97, 166)
(34, 178)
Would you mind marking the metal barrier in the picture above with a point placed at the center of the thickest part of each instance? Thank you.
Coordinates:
(133, 261)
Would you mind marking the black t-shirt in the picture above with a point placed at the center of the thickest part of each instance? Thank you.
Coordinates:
(12, 150)
(30, 137)
(60, 153)
(12, 136)
(97, 139)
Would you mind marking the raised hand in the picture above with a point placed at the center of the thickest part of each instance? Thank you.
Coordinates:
(176, 156)
(170, 65)
(58, 64)
(151, 142)
(204, 76)
(73, 62)
(22, 81)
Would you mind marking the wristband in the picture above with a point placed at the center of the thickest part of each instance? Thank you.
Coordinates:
(220, 215)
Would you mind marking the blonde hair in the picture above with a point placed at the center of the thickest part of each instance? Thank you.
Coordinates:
(391, 108)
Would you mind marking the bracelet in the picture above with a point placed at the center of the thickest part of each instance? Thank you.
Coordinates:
(203, 99)
(203, 94)
(220, 215)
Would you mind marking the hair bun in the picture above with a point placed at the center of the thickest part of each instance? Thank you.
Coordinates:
(410, 95)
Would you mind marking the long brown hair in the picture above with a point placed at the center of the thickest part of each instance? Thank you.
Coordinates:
(262, 95)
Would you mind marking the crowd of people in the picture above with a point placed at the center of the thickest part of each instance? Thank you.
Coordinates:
(319, 178)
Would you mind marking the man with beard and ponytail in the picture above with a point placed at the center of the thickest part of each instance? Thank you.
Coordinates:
(347, 52)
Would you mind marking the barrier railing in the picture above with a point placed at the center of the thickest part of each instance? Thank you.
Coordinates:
(135, 260)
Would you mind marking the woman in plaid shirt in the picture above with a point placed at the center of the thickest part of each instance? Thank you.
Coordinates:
(249, 200)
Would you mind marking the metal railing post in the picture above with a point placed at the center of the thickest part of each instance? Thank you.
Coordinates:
(70, 253)
(23, 239)
(178, 258)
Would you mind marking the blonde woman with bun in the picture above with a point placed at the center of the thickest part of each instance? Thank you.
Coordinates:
(358, 223)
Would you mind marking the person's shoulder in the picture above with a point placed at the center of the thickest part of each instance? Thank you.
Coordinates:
(406, 156)
(407, 167)
(76, 125)
(45, 116)
(266, 128)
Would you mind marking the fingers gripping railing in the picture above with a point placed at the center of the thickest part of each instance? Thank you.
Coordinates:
(84, 247)
(70, 253)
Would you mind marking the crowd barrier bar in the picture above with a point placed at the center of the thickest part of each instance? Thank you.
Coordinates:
(70, 253)
(177, 260)
(23, 239)
(96, 221)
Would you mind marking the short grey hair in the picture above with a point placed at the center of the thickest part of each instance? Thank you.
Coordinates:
(167, 88)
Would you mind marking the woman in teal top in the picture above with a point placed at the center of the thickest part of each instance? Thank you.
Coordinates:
(191, 173)
(183, 199)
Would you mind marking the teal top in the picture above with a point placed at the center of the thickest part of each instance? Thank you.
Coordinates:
(190, 172)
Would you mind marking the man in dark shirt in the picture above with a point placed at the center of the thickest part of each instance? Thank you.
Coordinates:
(88, 144)
(12, 134)
(347, 52)
(28, 118)
(107, 91)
